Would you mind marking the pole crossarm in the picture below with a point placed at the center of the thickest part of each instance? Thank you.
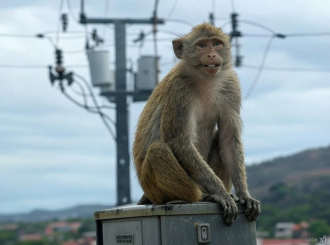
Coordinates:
(125, 93)
(84, 20)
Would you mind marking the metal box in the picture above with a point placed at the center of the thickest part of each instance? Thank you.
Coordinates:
(147, 73)
(172, 224)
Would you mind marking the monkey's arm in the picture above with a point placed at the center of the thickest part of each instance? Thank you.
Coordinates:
(177, 131)
(232, 154)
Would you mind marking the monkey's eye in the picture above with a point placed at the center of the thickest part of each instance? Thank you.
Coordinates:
(202, 45)
(217, 43)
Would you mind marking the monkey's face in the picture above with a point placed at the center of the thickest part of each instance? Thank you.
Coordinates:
(207, 51)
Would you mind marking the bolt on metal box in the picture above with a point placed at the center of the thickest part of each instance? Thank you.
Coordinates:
(172, 224)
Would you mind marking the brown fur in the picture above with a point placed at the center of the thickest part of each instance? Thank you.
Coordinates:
(178, 153)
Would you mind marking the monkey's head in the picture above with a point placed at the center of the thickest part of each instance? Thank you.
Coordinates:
(206, 48)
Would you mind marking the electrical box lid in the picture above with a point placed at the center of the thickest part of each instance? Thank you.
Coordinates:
(133, 210)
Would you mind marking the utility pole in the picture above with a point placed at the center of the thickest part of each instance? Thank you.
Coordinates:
(235, 34)
(121, 93)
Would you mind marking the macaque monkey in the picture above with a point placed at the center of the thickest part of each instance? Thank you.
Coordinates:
(188, 139)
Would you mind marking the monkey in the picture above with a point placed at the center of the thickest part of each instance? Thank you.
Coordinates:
(187, 142)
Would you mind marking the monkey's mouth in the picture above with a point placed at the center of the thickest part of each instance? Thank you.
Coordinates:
(211, 66)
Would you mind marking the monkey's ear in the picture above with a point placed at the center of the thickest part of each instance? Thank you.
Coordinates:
(177, 47)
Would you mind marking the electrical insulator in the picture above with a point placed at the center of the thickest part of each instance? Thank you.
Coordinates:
(235, 32)
(238, 61)
(64, 22)
(59, 57)
(234, 20)
(211, 17)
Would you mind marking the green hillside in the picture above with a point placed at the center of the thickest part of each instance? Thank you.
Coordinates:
(294, 189)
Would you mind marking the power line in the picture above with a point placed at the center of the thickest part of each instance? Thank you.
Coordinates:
(17, 35)
(168, 32)
(288, 69)
(172, 9)
(35, 66)
(106, 10)
(213, 8)
(85, 95)
(58, 22)
(71, 12)
(103, 117)
(308, 34)
(256, 35)
(233, 6)
(155, 36)
(263, 61)
(90, 92)
(23, 66)
(180, 21)
(258, 25)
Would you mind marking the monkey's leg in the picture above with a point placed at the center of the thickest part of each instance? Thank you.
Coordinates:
(163, 179)
(144, 200)
(214, 160)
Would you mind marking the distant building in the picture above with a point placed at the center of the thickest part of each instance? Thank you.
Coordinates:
(284, 230)
(300, 230)
(30, 237)
(291, 230)
(8, 227)
(62, 227)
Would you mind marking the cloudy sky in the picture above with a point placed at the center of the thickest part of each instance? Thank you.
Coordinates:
(54, 154)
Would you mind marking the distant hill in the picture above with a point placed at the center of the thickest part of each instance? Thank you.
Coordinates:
(293, 189)
(283, 185)
(81, 211)
(307, 171)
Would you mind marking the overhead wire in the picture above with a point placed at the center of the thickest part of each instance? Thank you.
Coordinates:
(97, 107)
(180, 21)
(91, 92)
(213, 8)
(104, 117)
(68, 3)
(85, 95)
(35, 66)
(263, 61)
(307, 34)
(59, 22)
(233, 6)
(288, 69)
(258, 25)
(172, 9)
(155, 36)
(106, 11)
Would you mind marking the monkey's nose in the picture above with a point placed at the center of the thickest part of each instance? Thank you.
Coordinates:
(211, 55)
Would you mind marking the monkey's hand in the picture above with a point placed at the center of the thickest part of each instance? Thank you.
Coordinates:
(252, 206)
(228, 204)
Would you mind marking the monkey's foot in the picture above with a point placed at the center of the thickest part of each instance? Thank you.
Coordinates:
(144, 200)
(252, 206)
(228, 204)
